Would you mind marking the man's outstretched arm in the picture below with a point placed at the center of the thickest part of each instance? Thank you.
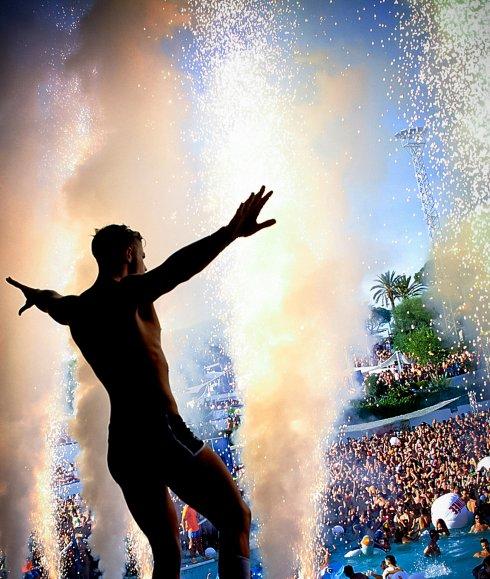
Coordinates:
(193, 258)
(57, 306)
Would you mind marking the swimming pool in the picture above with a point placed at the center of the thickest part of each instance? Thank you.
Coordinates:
(455, 562)
(456, 559)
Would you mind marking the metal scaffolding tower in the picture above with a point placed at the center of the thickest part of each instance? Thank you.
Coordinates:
(414, 141)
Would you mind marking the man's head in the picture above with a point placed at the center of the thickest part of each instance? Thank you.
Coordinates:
(484, 544)
(117, 247)
(348, 571)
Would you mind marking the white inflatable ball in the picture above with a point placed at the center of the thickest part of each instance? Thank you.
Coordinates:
(338, 530)
(395, 441)
(210, 552)
(452, 509)
(484, 463)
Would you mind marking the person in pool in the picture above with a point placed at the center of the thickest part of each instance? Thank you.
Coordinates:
(377, 575)
(390, 569)
(441, 528)
(381, 540)
(432, 549)
(478, 525)
(482, 571)
(116, 327)
(485, 549)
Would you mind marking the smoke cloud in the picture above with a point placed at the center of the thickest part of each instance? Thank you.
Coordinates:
(31, 346)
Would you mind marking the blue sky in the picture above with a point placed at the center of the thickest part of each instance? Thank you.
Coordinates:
(387, 211)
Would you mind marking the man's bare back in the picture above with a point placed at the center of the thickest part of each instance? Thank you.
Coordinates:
(115, 325)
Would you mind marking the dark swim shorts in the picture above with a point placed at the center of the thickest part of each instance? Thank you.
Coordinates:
(158, 446)
(184, 436)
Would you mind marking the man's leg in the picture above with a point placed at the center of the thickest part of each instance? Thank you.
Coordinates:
(154, 512)
(192, 547)
(205, 484)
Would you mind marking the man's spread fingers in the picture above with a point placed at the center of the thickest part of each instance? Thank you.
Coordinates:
(265, 198)
(267, 223)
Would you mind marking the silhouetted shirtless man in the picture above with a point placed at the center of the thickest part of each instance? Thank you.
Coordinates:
(151, 449)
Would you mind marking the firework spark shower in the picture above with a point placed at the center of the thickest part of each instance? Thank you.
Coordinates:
(448, 93)
(283, 310)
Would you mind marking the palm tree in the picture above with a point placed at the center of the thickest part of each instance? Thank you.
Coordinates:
(405, 288)
(386, 291)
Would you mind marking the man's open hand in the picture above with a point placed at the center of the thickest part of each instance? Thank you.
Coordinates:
(244, 223)
(29, 293)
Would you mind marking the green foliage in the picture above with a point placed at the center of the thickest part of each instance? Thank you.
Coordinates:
(413, 333)
(378, 319)
(439, 383)
(395, 402)
(422, 344)
(421, 385)
(381, 314)
(374, 389)
(410, 315)
(406, 288)
(385, 288)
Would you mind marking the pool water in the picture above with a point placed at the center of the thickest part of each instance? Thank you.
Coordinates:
(456, 559)
(455, 562)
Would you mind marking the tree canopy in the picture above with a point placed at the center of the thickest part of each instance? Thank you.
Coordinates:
(410, 314)
(413, 332)
(378, 319)
(423, 344)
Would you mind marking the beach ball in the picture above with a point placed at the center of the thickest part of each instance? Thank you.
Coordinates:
(338, 530)
(452, 509)
(210, 552)
(395, 441)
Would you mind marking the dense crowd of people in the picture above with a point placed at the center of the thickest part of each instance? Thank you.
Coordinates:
(385, 490)
(381, 353)
(413, 376)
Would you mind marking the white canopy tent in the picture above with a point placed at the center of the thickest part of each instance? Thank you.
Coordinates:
(396, 358)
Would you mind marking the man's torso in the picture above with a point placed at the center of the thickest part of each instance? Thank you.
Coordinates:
(121, 340)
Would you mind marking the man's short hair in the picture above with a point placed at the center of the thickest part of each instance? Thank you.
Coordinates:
(348, 571)
(110, 242)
